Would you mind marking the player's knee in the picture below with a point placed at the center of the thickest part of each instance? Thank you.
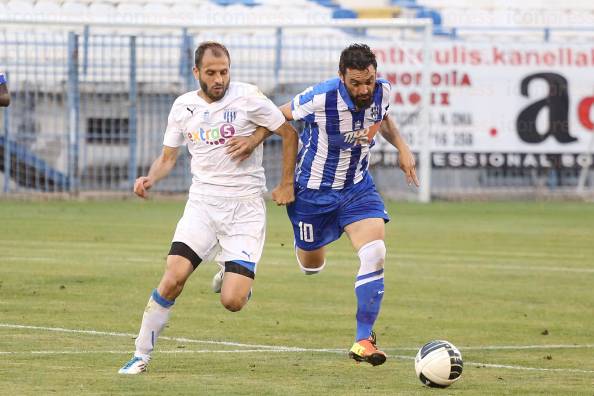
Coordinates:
(373, 255)
(171, 287)
(173, 280)
(310, 264)
(233, 303)
(311, 268)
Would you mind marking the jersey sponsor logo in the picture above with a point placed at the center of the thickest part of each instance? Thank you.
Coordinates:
(213, 136)
(361, 137)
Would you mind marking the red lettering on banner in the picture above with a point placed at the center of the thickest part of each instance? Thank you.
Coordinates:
(584, 109)
(498, 56)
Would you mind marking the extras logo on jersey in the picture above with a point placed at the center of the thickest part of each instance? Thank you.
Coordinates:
(213, 136)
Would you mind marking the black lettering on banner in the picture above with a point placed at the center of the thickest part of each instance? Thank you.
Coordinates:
(500, 160)
(557, 103)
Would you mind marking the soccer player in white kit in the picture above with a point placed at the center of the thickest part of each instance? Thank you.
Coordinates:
(225, 213)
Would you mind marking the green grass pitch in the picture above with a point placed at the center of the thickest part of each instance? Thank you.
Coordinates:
(511, 284)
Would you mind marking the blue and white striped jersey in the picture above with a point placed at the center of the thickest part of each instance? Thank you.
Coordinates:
(336, 137)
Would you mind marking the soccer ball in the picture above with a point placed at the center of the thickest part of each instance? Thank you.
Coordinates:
(438, 364)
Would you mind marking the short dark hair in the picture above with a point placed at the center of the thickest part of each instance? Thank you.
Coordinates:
(356, 56)
(217, 49)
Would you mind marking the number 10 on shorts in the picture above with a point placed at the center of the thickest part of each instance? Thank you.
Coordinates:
(306, 232)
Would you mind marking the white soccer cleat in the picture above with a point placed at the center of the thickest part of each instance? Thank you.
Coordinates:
(217, 280)
(135, 366)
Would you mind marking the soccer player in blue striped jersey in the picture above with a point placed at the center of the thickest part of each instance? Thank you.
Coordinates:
(334, 192)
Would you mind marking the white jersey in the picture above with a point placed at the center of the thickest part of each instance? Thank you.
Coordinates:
(206, 128)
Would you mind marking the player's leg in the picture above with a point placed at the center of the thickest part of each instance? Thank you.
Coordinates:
(184, 256)
(364, 217)
(237, 285)
(315, 225)
(311, 262)
(242, 231)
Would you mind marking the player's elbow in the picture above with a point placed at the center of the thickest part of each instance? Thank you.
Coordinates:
(4, 100)
(286, 110)
(286, 131)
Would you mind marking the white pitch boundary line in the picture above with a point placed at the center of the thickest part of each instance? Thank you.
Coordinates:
(510, 367)
(279, 349)
(288, 348)
(445, 262)
(175, 351)
(177, 339)
(508, 347)
(204, 351)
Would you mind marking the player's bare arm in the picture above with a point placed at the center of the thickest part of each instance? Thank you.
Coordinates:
(390, 132)
(284, 193)
(286, 110)
(4, 96)
(241, 147)
(160, 168)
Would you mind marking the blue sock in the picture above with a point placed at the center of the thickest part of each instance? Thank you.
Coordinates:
(369, 301)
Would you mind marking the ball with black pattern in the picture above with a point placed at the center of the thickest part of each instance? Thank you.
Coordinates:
(438, 364)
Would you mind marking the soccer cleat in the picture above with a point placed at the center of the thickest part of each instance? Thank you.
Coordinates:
(366, 351)
(135, 366)
(217, 280)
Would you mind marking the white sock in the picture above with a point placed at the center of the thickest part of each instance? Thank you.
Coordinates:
(154, 319)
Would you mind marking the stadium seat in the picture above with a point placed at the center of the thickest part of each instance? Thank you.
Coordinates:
(102, 12)
(20, 9)
(431, 14)
(74, 10)
(342, 13)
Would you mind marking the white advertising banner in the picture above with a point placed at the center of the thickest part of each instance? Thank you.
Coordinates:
(497, 104)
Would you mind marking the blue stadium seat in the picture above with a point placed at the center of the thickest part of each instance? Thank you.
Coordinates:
(327, 3)
(430, 14)
(343, 13)
(247, 3)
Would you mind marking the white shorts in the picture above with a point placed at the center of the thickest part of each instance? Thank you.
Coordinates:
(224, 229)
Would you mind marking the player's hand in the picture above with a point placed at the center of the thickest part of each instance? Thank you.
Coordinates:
(408, 166)
(241, 147)
(142, 185)
(283, 194)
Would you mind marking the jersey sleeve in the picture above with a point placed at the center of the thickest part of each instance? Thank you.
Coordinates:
(261, 111)
(173, 134)
(303, 104)
(2, 78)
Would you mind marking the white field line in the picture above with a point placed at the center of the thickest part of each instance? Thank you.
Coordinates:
(506, 366)
(510, 367)
(447, 253)
(175, 351)
(279, 349)
(442, 254)
(506, 267)
(177, 339)
(204, 351)
(469, 263)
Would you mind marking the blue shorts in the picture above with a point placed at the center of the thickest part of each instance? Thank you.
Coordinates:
(319, 216)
